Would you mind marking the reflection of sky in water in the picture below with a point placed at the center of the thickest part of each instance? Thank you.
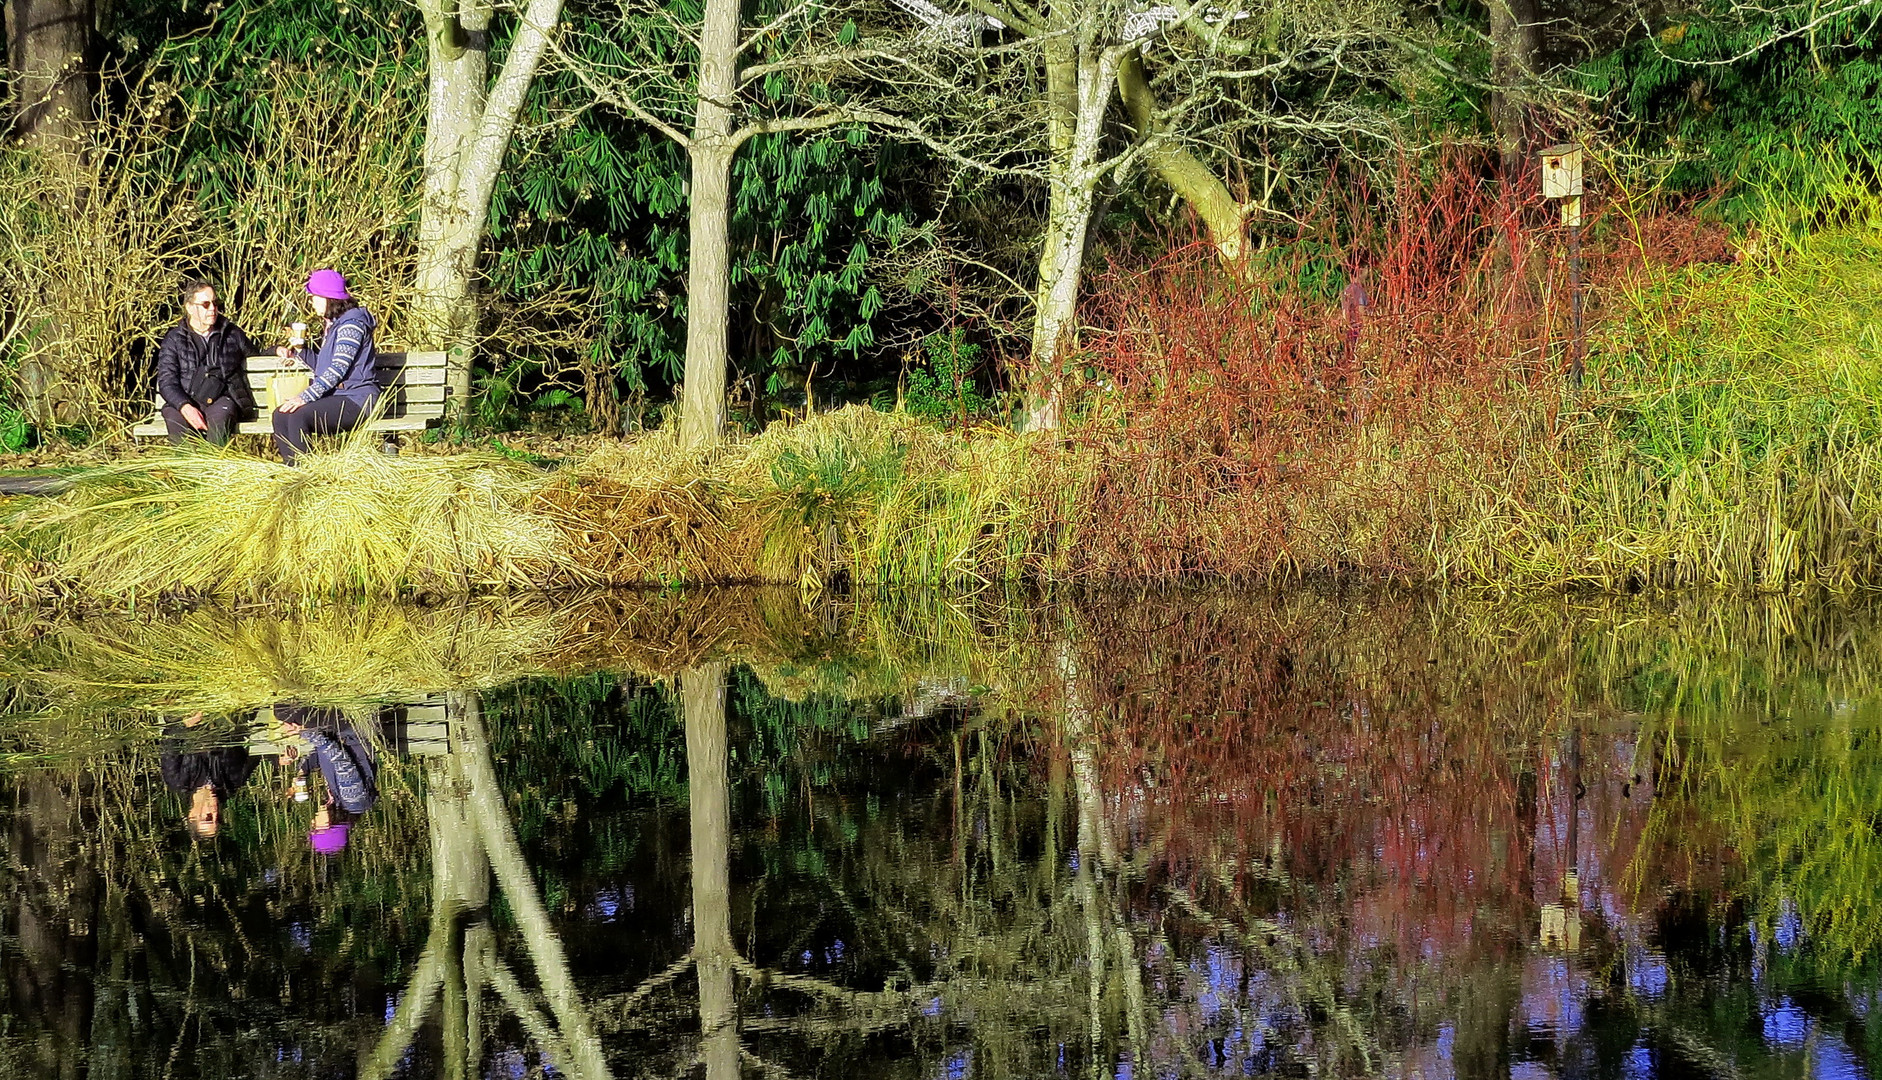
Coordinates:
(1790, 1030)
(1554, 994)
(507, 1065)
(1785, 1026)
(1832, 1060)
(610, 904)
(1646, 973)
(1790, 926)
(1593, 1002)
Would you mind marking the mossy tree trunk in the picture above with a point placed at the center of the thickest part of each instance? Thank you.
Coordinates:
(1221, 213)
(1080, 74)
(48, 44)
(1515, 44)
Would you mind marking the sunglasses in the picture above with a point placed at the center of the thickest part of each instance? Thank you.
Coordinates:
(206, 304)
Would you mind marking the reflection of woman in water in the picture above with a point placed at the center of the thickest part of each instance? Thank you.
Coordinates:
(346, 765)
(207, 774)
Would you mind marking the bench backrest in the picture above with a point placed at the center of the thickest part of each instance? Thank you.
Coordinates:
(411, 383)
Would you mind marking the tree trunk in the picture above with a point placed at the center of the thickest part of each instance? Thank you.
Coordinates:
(469, 122)
(708, 296)
(1074, 180)
(1056, 306)
(1192, 181)
(47, 43)
(1515, 42)
(448, 236)
(708, 275)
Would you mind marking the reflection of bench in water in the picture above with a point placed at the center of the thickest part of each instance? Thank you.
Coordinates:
(413, 729)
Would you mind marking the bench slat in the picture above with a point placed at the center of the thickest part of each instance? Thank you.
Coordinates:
(272, 363)
(411, 395)
(259, 380)
(413, 359)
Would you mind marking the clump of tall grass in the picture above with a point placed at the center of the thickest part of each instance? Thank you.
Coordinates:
(351, 521)
(878, 498)
(647, 512)
(1731, 434)
(889, 499)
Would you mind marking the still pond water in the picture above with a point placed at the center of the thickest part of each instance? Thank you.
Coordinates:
(732, 835)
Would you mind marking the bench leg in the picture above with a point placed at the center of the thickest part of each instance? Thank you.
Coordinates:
(390, 446)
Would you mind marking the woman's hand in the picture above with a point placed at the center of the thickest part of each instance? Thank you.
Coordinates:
(282, 351)
(290, 405)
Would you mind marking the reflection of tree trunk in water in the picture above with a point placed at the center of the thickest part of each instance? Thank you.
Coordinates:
(702, 701)
(1487, 997)
(519, 888)
(110, 1056)
(1486, 1001)
(1099, 864)
(1573, 783)
(472, 838)
(58, 910)
(460, 872)
(1526, 834)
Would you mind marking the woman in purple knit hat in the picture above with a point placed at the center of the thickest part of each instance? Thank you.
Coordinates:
(344, 386)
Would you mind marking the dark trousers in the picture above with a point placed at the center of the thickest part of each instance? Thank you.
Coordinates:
(326, 416)
(218, 414)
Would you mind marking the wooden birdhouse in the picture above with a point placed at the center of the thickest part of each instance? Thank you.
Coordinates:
(1561, 179)
(1561, 171)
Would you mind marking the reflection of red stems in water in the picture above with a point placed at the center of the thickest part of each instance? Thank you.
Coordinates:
(1412, 812)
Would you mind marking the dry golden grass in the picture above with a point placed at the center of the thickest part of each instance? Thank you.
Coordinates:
(350, 521)
(220, 662)
(106, 678)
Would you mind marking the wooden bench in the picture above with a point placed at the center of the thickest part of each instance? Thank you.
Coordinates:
(413, 729)
(411, 394)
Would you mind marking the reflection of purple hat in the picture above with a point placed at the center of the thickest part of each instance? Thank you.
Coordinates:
(330, 840)
(328, 283)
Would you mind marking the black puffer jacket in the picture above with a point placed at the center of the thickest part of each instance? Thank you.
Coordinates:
(194, 370)
(188, 762)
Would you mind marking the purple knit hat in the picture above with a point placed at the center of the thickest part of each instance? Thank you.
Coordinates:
(330, 840)
(328, 283)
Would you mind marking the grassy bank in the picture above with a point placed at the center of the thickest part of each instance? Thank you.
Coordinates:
(1728, 435)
